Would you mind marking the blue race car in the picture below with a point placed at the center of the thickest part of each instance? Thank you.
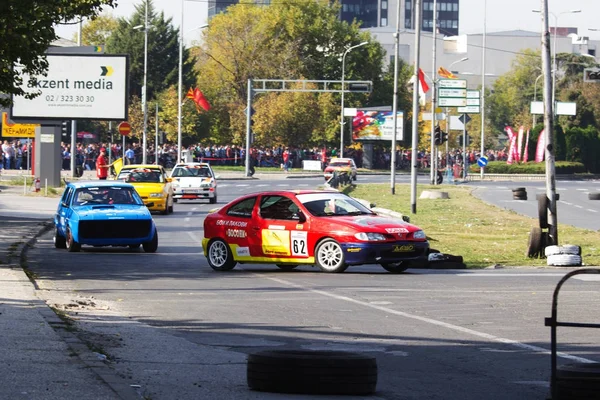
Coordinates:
(103, 213)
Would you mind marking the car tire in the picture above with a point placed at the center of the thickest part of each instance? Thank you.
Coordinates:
(312, 372)
(286, 267)
(166, 210)
(329, 256)
(152, 245)
(564, 260)
(564, 249)
(70, 243)
(594, 196)
(174, 200)
(213, 200)
(534, 247)
(395, 268)
(59, 241)
(219, 256)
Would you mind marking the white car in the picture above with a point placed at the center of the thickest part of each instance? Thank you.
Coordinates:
(194, 181)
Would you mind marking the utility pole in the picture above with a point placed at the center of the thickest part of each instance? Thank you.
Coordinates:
(433, 153)
(415, 112)
(549, 128)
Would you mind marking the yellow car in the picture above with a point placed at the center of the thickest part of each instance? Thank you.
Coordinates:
(152, 184)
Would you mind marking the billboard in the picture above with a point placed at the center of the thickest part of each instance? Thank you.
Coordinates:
(377, 125)
(77, 86)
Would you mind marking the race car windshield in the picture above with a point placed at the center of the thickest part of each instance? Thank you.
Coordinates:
(339, 164)
(106, 195)
(331, 205)
(191, 172)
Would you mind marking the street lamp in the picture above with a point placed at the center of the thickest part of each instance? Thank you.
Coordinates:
(144, 89)
(342, 112)
(554, 50)
(180, 82)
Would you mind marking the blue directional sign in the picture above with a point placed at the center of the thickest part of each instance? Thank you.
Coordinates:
(482, 161)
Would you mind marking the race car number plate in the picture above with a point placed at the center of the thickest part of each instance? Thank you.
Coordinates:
(191, 190)
(403, 248)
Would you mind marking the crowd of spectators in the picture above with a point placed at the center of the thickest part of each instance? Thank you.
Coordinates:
(16, 154)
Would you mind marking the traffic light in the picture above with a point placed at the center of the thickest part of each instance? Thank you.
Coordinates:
(65, 129)
(460, 140)
(437, 138)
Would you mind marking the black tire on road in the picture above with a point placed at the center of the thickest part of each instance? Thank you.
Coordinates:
(59, 241)
(219, 256)
(520, 197)
(594, 196)
(520, 189)
(534, 247)
(213, 200)
(312, 372)
(578, 381)
(329, 256)
(543, 211)
(71, 244)
(152, 245)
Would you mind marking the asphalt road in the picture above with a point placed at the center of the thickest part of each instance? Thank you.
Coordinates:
(436, 334)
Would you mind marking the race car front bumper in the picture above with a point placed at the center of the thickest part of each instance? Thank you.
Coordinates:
(382, 253)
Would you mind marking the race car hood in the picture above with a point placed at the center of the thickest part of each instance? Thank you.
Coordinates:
(395, 227)
(145, 188)
(104, 212)
(192, 181)
(336, 168)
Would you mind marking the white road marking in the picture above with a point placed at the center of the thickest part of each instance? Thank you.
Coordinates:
(194, 237)
(287, 184)
(566, 202)
(535, 383)
(486, 336)
(241, 185)
(186, 219)
(590, 210)
(578, 206)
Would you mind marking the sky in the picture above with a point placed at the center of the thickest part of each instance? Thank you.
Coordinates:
(501, 15)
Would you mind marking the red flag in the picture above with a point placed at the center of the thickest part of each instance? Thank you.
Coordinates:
(539, 151)
(424, 85)
(198, 97)
(512, 139)
(520, 144)
(526, 150)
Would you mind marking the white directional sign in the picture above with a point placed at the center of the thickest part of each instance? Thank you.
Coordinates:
(453, 92)
(469, 110)
(452, 102)
(453, 83)
(473, 94)
(472, 102)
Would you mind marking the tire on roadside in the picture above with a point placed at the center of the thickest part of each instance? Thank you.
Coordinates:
(578, 381)
(594, 196)
(564, 260)
(312, 372)
(534, 246)
(564, 249)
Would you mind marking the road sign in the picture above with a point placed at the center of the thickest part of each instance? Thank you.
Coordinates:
(10, 130)
(473, 94)
(468, 109)
(452, 101)
(482, 161)
(452, 92)
(124, 128)
(453, 83)
(464, 118)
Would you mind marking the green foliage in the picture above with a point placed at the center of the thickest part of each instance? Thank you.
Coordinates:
(501, 167)
(27, 30)
(163, 51)
(97, 31)
(289, 40)
(583, 145)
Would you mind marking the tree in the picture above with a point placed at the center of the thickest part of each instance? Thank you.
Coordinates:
(288, 40)
(97, 31)
(163, 51)
(27, 30)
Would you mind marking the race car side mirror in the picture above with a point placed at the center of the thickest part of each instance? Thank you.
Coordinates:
(299, 216)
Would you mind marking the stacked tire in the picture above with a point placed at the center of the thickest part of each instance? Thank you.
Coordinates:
(519, 193)
(567, 255)
(578, 381)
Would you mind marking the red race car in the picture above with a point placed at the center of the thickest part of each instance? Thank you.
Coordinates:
(313, 227)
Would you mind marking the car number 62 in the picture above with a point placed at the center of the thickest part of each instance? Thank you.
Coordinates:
(299, 246)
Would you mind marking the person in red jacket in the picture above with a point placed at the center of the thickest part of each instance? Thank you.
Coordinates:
(102, 165)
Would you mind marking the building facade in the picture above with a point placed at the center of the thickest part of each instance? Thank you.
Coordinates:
(383, 13)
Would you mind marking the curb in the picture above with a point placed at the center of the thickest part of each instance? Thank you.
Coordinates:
(85, 355)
